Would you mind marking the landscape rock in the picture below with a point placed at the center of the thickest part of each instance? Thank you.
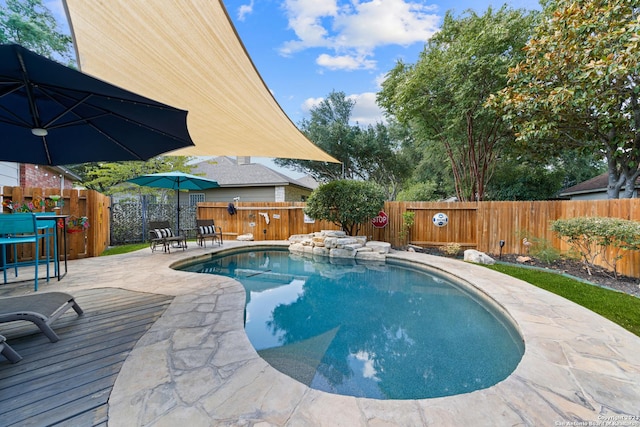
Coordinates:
(320, 251)
(478, 257)
(370, 256)
(380, 247)
(336, 244)
(342, 253)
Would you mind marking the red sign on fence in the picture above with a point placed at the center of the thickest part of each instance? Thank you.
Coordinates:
(381, 220)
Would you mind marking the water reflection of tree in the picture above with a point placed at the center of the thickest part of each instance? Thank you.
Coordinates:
(374, 315)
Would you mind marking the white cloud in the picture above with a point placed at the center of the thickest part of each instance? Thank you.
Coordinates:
(366, 111)
(344, 62)
(356, 28)
(305, 19)
(244, 10)
(311, 103)
(380, 78)
(384, 22)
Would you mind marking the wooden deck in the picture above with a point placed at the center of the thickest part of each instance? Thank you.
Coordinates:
(69, 382)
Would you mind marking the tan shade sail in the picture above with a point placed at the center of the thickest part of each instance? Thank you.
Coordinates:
(186, 53)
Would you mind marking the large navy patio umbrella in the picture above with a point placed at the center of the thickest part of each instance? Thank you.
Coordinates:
(175, 181)
(51, 114)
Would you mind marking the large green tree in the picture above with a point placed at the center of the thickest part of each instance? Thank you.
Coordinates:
(385, 157)
(578, 86)
(431, 179)
(443, 95)
(105, 177)
(372, 153)
(31, 24)
(526, 177)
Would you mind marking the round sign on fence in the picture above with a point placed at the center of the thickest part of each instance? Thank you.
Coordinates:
(381, 220)
(440, 219)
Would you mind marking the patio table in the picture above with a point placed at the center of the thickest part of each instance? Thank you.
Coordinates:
(54, 218)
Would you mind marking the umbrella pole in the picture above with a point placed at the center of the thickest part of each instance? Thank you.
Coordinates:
(178, 220)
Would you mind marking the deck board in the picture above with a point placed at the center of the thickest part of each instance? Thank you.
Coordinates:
(69, 382)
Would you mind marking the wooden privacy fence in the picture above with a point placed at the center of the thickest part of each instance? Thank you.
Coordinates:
(77, 204)
(472, 225)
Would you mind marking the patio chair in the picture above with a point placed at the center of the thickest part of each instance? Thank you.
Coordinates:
(42, 309)
(207, 229)
(160, 233)
(6, 350)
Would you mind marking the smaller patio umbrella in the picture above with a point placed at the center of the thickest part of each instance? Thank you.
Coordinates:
(175, 181)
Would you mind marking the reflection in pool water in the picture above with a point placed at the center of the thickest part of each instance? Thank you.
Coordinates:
(369, 330)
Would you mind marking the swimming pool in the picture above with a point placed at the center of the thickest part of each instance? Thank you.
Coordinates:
(381, 331)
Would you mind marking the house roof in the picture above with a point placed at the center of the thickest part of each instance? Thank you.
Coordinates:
(187, 54)
(67, 172)
(229, 173)
(309, 182)
(596, 184)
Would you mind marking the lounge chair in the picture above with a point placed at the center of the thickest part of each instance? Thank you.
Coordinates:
(160, 233)
(42, 309)
(207, 229)
(6, 350)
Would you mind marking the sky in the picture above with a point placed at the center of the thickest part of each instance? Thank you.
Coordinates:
(304, 49)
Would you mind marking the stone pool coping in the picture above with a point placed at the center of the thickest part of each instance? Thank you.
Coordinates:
(196, 366)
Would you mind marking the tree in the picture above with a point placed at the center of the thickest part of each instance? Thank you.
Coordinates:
(526, 177)
(105, 177)
(30, 24)
(372, 153)
(385, 158)
(442, 96)
(328, 127)
(346, 203)
(578, 86)
(431, 179)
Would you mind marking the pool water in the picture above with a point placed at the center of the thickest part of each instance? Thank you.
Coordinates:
(376, 330)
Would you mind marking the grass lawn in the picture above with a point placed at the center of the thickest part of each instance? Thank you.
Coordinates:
(618, 307)
(123, 249)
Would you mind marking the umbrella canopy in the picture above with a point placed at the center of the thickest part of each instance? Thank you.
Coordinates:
(54, 115)
(175, 181)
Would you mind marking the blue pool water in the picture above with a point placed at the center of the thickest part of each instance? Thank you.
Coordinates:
(381, 331)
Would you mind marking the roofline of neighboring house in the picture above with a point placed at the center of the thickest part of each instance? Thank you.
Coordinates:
(593, 190)
(265, 184)
(597, 180)
(67, 172)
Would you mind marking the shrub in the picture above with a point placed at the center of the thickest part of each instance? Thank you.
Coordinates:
(542, 249)
(591, 237)
(451, 249)
(346, 203)
(408, 219)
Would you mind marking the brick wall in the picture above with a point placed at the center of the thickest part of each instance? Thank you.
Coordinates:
(35, 176)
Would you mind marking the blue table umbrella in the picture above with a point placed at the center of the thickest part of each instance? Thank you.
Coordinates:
(175, 181)
(51, 114)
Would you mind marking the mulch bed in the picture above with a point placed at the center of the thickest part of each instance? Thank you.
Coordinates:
(575, 268)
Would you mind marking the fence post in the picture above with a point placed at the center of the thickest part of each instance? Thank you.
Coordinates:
(145, 203)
